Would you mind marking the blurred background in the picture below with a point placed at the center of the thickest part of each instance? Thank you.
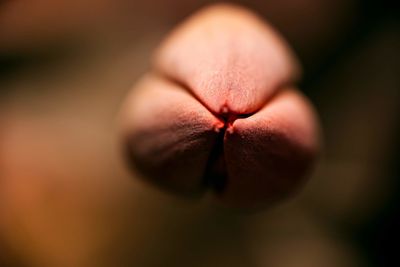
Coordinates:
(66, 198)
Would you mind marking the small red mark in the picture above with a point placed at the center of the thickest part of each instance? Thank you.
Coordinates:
(224, 110)
(227, 119)
(218, 126)
(230, 129)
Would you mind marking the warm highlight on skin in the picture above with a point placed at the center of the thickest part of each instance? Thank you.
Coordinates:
(219, 111)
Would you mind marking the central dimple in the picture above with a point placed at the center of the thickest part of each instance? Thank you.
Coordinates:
(215, 175)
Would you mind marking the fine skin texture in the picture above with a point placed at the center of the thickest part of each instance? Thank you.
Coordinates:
(228, 58)
(171, 136)
(218, 112)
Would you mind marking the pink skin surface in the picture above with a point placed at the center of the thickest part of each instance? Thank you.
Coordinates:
(228, 58)
(218, 111)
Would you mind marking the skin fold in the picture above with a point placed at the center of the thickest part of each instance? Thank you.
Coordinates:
(218, 111)
(171, 136)
(228, 58)
(67, 198)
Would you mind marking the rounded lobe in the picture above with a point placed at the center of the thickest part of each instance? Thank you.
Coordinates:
(216, 112)
(269, 153)
(168, 135)
(228, 57)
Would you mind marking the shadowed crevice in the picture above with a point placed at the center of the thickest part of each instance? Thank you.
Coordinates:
(216, 175)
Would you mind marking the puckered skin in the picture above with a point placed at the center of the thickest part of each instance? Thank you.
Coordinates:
(228, 58)
(218, 112)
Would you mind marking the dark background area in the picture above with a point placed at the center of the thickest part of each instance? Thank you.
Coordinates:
(67, 200)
